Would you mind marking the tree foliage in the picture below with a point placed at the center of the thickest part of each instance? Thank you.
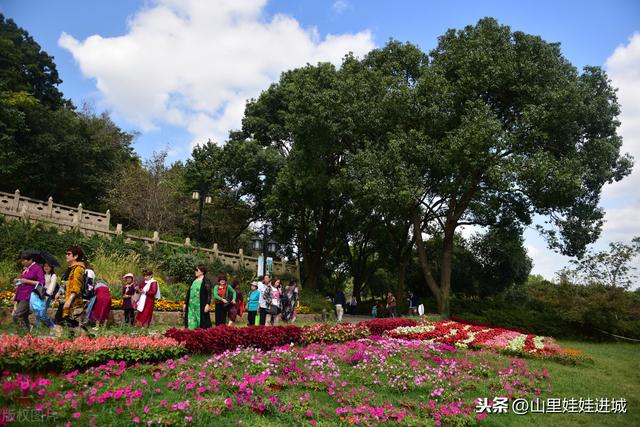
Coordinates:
(47, 148)
(612, 268)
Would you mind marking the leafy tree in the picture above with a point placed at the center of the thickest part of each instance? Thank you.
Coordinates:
(505, 129)
(612, 268)
(46, 147)
(25, 67)
(148, 195)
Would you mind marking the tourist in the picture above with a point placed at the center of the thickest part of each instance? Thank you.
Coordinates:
(73, 281)
(413, 304)
(274, 302)
(253, 302)
(52, 287)
(391, 305)
(264, 287)
(353, 305)
(102, 304)
(149, 293)
(289, 300)
(236, 310)
(197, 303)
(225, 297)
(128, 291)
(32, 275)
(339, 301)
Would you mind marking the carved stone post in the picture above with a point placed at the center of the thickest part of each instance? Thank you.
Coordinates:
(16, 201)
(50, 207)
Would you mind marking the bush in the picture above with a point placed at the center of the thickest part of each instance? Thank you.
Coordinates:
(33, 354)
(379, 326)
(221, 338)
(334, 333)
(559, 310)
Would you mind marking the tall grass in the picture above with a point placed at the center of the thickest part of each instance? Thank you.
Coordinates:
(8, 271)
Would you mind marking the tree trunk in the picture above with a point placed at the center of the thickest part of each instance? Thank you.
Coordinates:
(402, 274)
(445, 274)
(425, 265)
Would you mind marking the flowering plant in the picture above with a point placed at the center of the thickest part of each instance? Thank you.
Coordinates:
(37, 353)
(341, 332)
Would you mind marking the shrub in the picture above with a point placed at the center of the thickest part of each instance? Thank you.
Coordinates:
(334, 333)
(28, 354)
(221, 338)
(379, 326)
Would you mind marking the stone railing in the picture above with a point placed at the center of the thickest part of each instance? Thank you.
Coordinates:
(15, 206)
(19, 206)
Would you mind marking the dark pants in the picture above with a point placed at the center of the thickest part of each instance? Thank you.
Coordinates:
(221, 314)
(58, 317)
(263, 316)
(252, 318)
(21, 315)
(129, 316)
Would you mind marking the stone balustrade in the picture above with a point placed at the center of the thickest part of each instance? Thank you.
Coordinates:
(15, 206)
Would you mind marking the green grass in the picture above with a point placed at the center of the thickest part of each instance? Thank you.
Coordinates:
(613, 373)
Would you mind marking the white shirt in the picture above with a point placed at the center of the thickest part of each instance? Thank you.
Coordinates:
(50, 283)
(262, 288)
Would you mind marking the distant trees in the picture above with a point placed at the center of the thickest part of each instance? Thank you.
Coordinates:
(47, 147)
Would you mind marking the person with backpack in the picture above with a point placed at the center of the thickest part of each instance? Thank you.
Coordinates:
(102, 304)
(74, 283)
(88, 291)
(225, 297)
(149, 293)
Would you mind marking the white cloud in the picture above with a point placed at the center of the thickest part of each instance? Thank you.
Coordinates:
(621, 200)
(623, 67)
(194, 63)
(340, 6)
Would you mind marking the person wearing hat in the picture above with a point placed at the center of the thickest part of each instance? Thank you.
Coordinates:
(253, 301)
(128, 291)
(32, 276)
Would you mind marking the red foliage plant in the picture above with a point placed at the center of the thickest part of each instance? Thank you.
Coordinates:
(221, 338)
(379, 326)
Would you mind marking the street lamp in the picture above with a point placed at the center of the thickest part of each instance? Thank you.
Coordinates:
(196, 195)
(258, 242)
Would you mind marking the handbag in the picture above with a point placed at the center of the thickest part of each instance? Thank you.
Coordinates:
(40, 291)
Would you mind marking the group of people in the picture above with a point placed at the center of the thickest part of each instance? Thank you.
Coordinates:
(265, 298)
(82, 300)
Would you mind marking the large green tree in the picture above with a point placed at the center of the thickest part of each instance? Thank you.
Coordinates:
(506, 130)
(47, 148)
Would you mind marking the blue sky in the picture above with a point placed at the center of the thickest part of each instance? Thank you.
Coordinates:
(179, 71)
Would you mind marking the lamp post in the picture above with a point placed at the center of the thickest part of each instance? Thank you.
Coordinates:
(202, 197)
(260, 243)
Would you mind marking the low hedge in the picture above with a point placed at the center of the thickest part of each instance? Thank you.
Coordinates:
(35, 354)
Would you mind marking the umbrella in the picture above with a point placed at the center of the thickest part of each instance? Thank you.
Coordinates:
(40, 257)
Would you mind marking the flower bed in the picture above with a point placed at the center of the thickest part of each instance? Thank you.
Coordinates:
(160, 305)
(463, 335)
(364, 382)
(27, 354)
(222, 338)
(332, 333)
(6, 298)
(379, 326)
